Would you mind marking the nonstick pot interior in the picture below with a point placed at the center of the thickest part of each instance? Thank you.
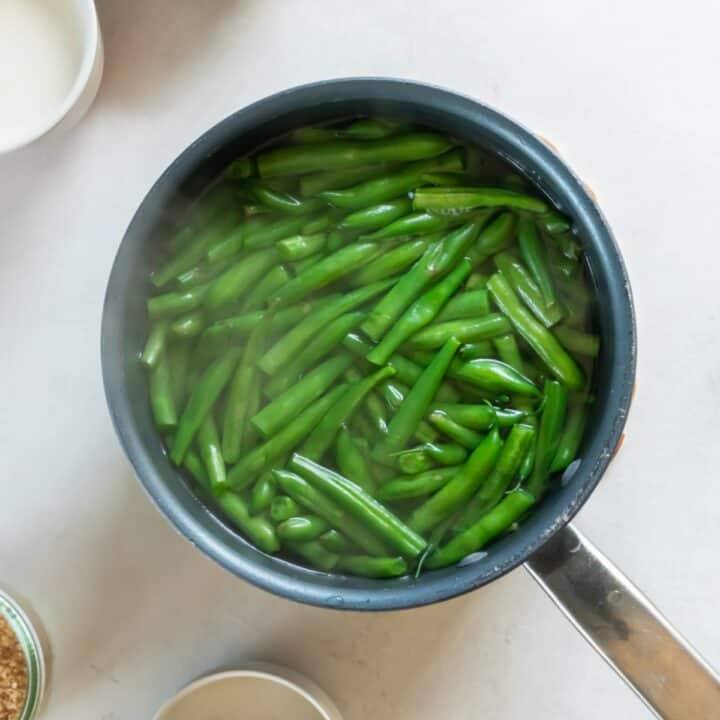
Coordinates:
(124, 329)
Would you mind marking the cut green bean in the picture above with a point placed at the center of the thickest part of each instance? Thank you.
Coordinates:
(465, 330)
(376, 216)
(162, 397)
(302, 528)
(464, 436)
(390, 263)
(578, 342)
(263, 493)
(283, 507)
(155, 344)
(208, 442)
(416, 486)
(439, 199)
(373, 567)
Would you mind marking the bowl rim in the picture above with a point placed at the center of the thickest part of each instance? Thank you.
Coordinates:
(326, 590)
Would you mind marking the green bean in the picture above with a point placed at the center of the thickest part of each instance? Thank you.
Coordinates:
(417, 223)
(533, 253)
(416, 402)
(499, 519)
(553, 223)
(475, 350)
(162, 399)
(321, 223)
(236, 280)
(447, 179)
(326, 271)
(464, 436)
(477, 281)
(419, 314)
(549, 434)
(373, 567)
(240, 169)
(258, 529)
(262, 457)
(492, 490)
(279, 201)
(326, 340)
(299, 247)
(376, 216)
(519, 278)
(390, 263)
(302, 528)
(376, 412)
(446, 453)
(189, 325)
(445, 199)
(155, 344)
(208, 442)
(258, 296)
(315, 183)
(201, 273)
(496, 236)
(439, 258)
(391, 185)
(315, 554)
(189, 256)
(465, 305)
(539, 338)
(176, 303)
(178, 357)
(461, 488)
(572, 434)
(420, 485)
(336, 542)
(581, 343)
(324, 433)
(477, 417)
(415, 460)
(465, 330)
(256, 232)
(289, 404)
(494, 376)
(289, 345)
(353, 462)
(301, 491)
(509, 352)
(203, 397)
(283, 507)
(193, 464)
(263, 493)
(361, 505)
(347, 154)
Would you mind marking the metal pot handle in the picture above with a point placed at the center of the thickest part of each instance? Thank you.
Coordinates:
(626, 628)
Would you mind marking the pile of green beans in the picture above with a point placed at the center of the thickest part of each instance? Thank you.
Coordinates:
(370, 346)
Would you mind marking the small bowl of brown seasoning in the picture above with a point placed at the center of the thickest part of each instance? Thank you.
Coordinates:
(22, 665)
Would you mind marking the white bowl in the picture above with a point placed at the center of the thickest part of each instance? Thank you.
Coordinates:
(82, 16)
(259, 692)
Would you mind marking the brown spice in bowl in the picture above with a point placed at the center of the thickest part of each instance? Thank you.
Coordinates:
(13, 673)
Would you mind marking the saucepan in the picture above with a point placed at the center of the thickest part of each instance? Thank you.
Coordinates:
(603, 604)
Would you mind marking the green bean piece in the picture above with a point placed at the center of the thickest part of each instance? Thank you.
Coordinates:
(352, 460)
(261, 231)
(155, 344)
(258, 296)
(539, 338)
(279, 201)
(463, 436)
(509, 352)
(208, 442)
(361, 505)
(497, 236)
(211, 383)
(469, 304)
(290, 344)
(439, 258)
(492, 490)
(391, 185)
(322, 437)
(494, 376)
(376, 412)
(394, 393)
(476, 417)
(302, 528)
(417, 223)
(289, 404)
(390, 263)
(372, 567)
(450, 199)
(315, 554)
(461, 488)
(477, 281)
(419, 314)
(317, 502)
(417, 486)
(176, 303)
(193, 464)
(299, 247)
(408, 372)
(376, 216)
(237, 279)
(190, 325)
(326, 340)
(243, 395)
(178, 357)
(201, 273)
(495, 522)
(371, 128)
(162, 398)
(321, 223)
(283, 507)
(258, 529)
(548, 438)
(415, 460)
(262, 457)
(553, 223)
(425, 432)
(532, 251)
(465, 330)
(572, 434)
(336, 542)
(578, 342)
(341, 154)
(263, 493)
(416, 402)
(189, 256)
(475, 350)
(315, 183)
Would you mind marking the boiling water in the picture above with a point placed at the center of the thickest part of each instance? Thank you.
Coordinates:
(40, 56)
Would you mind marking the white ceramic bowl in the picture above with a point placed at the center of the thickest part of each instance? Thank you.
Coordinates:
(82, 15)
(259, 692)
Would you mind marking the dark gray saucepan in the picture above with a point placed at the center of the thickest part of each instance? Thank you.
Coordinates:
(605, 606)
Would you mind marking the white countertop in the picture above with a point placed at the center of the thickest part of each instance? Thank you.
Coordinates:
(628, 91)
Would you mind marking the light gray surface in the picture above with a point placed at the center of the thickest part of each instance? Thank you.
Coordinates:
(628, 93)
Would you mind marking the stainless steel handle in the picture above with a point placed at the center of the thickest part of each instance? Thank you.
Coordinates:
(626, 628)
